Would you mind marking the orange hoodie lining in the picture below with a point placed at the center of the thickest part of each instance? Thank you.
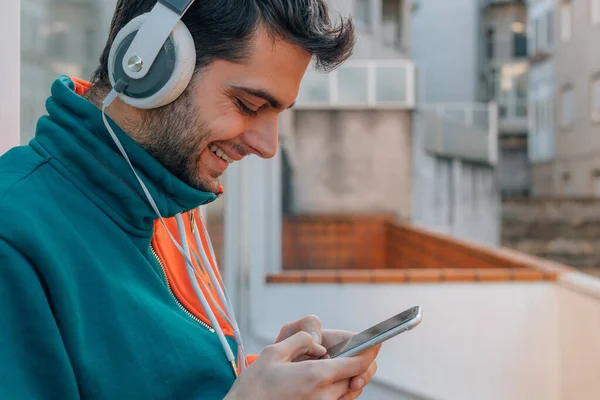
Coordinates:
(81, 86)
(177, 275)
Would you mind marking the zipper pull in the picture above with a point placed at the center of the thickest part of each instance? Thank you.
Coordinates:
(193, 222)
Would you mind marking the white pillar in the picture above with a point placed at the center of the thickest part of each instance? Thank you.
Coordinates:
(457, 200)
(10, 77)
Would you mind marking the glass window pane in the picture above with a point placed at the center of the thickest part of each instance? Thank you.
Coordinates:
(390, 84)
(362, 13)
(353, 85)
(314, 88)
(58, 37)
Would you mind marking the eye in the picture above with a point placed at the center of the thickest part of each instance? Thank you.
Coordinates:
(245, 109)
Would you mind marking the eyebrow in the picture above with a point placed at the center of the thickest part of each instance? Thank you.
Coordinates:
(263, 94)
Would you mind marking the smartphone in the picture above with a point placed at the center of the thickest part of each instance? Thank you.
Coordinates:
(377, 334)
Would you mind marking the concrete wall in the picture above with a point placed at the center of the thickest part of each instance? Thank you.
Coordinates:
(350, 161)
(446, 51)
(562, 230)
(453, 196)
(542, 179)
(576, 62)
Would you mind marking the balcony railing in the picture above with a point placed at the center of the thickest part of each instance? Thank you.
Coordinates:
(466, 131)
(360, 84)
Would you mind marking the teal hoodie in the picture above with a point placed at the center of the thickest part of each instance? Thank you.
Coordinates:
(85, 308)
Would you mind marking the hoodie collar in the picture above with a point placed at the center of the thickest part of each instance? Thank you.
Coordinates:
(74, 140)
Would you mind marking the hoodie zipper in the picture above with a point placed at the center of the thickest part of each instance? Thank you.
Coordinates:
(192, 316)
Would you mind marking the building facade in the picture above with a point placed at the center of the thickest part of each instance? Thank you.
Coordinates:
(503, 79)
(576, 166)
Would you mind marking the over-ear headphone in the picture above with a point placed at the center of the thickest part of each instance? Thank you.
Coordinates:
(152, 59)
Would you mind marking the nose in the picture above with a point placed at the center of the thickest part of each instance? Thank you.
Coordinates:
(264, 138)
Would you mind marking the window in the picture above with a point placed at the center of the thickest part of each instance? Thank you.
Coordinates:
(595, 11)
(391, 23)
(565, 22)
(568, 106)
(596, 98)
(362, 12)
(519, 44)
(489, 43)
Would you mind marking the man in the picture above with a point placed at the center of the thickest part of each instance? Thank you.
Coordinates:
(94, 296)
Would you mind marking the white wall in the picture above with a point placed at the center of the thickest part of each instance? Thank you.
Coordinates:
(579, 325)
(9, 74)
(476, 341)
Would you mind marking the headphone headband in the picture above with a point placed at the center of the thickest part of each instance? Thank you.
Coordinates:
(152, 35)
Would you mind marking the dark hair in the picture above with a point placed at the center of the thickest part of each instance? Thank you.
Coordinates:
(223, 29)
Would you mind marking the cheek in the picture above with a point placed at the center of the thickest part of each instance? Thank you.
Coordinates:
(228, 127)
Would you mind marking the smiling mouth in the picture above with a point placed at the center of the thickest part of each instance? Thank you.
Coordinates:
(220, 153)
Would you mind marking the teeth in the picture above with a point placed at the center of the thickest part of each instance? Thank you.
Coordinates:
(219, 153)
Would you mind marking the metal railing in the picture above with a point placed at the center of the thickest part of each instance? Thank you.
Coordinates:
(465, 131)
(360, 84)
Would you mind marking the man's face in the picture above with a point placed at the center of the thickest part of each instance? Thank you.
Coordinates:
(229, 111)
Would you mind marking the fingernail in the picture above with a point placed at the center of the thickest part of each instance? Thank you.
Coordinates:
(360, 383)
(315, 336)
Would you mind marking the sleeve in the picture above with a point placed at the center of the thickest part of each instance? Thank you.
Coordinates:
(33, 360)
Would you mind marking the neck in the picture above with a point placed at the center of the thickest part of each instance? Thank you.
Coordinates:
(127, 117)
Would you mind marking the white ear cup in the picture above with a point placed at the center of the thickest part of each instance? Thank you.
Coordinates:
(185, 62)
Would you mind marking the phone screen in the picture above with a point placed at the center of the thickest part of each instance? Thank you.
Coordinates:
(373, 331)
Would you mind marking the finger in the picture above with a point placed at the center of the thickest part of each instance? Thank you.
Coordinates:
(351, 395)
(331, 337)
(300, 344)
(339, 390)
(348, 367)
(310, 324)
(359, 382)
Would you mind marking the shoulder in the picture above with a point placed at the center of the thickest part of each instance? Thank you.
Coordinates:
(17, 166)
(22, 183)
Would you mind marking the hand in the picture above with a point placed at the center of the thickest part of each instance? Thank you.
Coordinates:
(312, 325)
(275, 376)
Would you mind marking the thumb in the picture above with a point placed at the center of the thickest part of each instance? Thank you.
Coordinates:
(300, 344)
